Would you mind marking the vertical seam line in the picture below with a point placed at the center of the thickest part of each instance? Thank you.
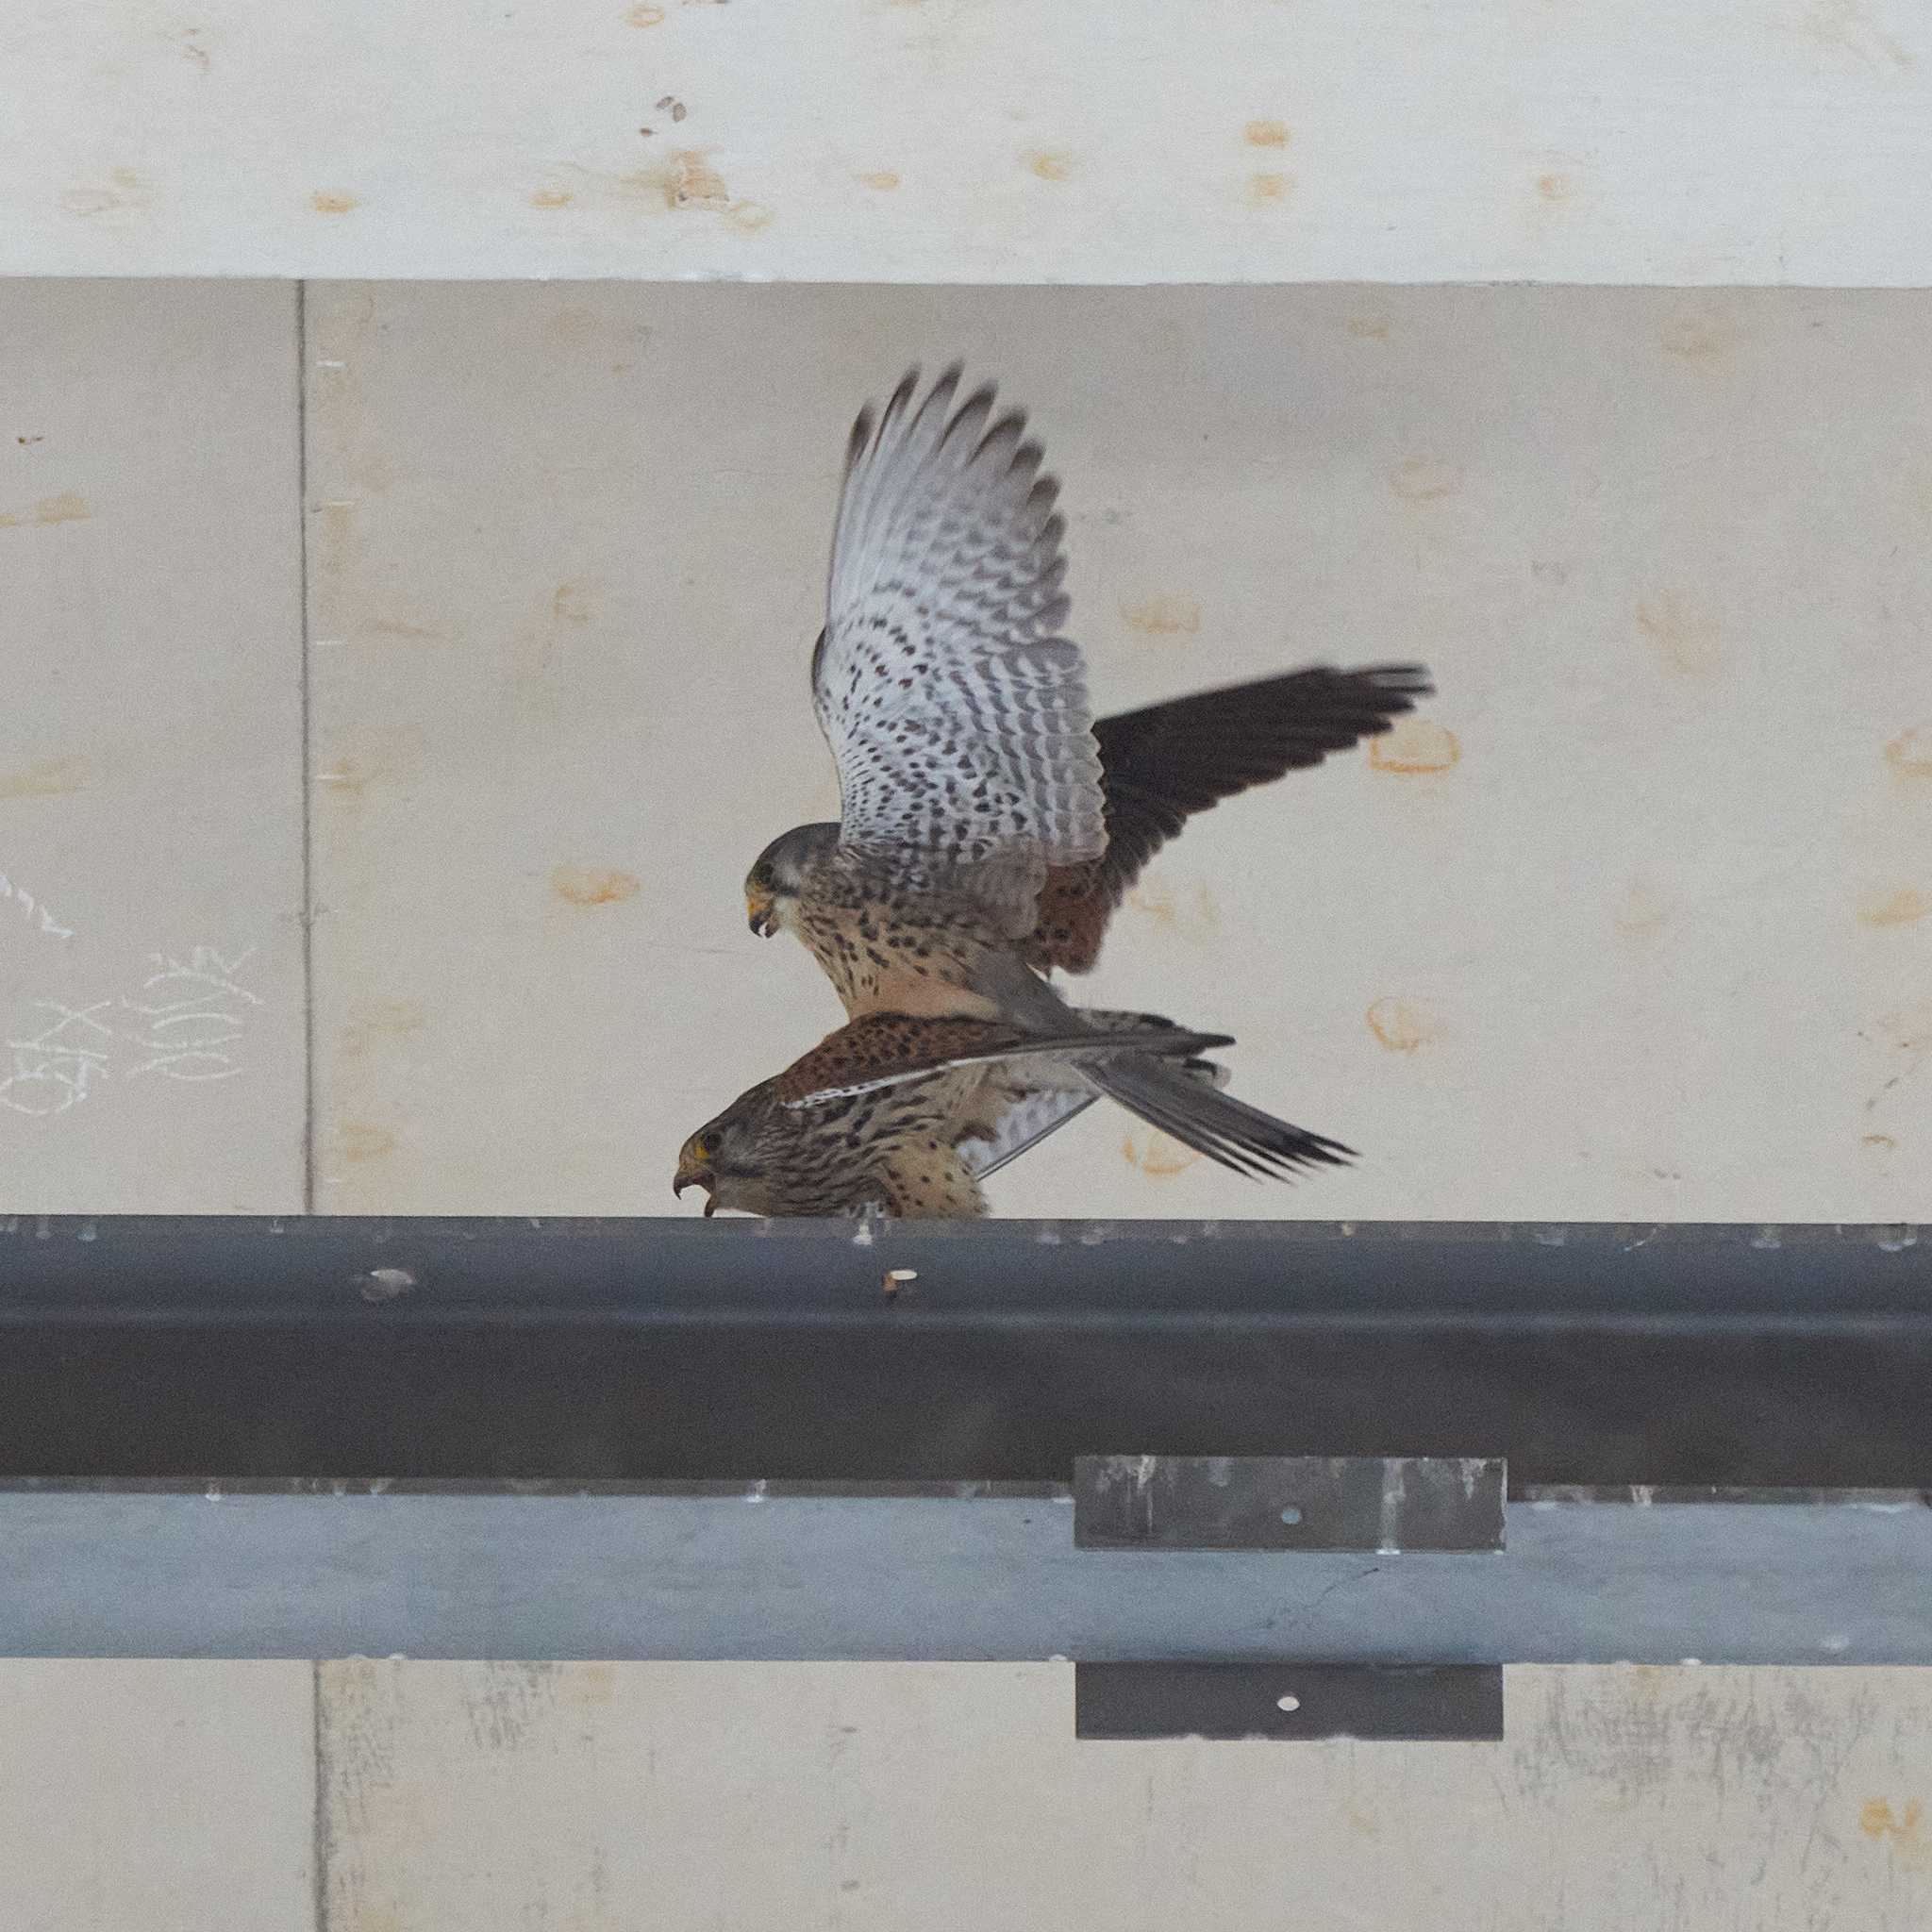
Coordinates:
(308, 753)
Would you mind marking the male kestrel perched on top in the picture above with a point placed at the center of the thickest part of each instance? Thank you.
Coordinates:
(906, 1116)
(984, 822)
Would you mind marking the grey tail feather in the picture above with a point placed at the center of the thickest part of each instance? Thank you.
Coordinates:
(1224, 1129)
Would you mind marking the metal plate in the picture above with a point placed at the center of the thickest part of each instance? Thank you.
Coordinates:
(1450, 1703)
(1386, 1503)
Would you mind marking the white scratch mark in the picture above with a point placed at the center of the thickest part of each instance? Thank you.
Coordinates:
(29, 906)
(191, 1012)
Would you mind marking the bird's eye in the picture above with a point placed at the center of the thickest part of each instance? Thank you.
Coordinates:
(705, 1146)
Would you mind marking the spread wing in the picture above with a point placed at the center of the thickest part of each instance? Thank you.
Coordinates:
(1166, 762)
(957, 713)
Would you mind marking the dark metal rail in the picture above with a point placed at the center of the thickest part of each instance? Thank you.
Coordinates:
(676, 1351)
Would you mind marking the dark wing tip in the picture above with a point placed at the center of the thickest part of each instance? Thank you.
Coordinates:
(1397, 681)
(862, 428)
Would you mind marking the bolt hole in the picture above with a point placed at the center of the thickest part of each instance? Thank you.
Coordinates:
(1290, 1515)
(1290, 1702)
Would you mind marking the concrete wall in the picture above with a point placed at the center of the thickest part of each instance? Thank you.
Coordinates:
(1652, 142)
(370, 1796)
(1632, 924)
(400, 680)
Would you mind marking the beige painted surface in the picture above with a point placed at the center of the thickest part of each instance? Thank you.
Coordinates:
(151, 888)
(1633, 926)
(750, 1798)
(1653, 942)
(972, 141)
(146, 1796)
(737, 1798)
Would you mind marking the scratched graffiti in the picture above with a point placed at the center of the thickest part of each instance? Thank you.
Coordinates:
(33, 910)
(185, 1019)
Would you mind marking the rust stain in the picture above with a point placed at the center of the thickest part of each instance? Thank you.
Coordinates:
(1910, 752)
(1555, 186)
(588, 886)
(1848, 25)
(1899, 1830)
(1157, 1154)
(1905, 907)
(884, 180)
(360, 1140)
(393, 755)
(750, 216)
(644, 15)
(1163, 616)
(1423, 479)
(1416, 744)
(187, 42)
(569, 604)
(695, 183)
(1692, 641)
(125, 189)
(1191, 913)
(401, 627)
(1264, 190)
(44, 778)
(1642, 909)
(587, 1687)
(682, 182)
(1697, 339)
(1266, 134)
(371, 1022)
(1400, 1025)
(68, 508)
(1050, 164)
(1368, 328)
(332, 201)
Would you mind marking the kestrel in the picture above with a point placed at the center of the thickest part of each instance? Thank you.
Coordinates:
(985, 822)
(986, 834)
(907, 1115)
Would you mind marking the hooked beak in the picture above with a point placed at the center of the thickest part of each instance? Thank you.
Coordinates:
(693, 1172)
(759, 909)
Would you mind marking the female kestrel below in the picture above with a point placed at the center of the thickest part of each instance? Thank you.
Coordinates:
(906, 1116)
